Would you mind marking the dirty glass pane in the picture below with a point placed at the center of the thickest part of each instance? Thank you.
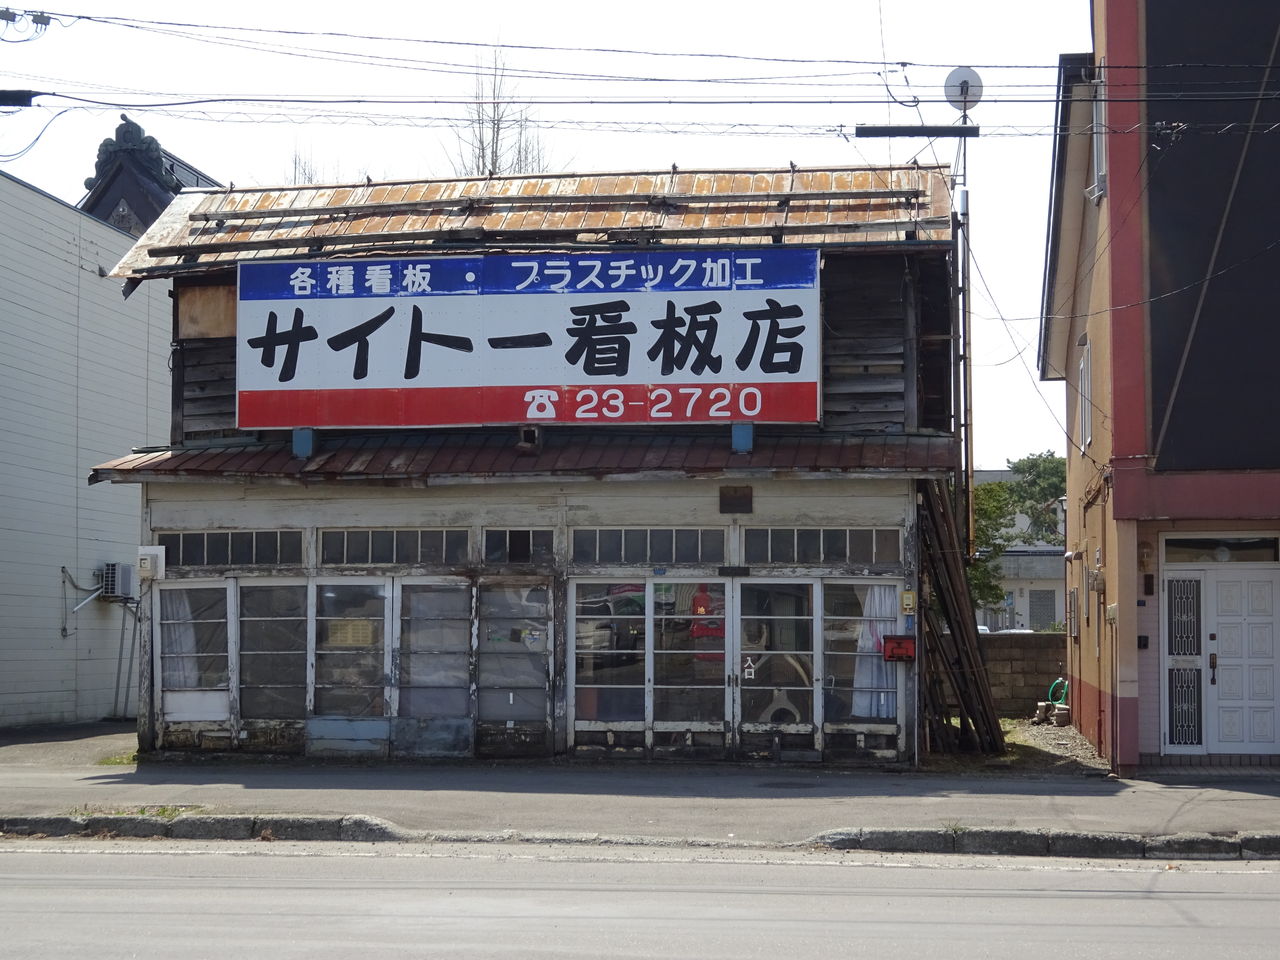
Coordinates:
(357, 546)
(610, 548)
(519, 546)
(777, 706)
(511, 670)
(635, 547)
(273, 703)
(808, 546)
(608, 703)
(777, 600)
(349, 600)
(584, 546)
(712, 546)
(242, 548)
(190, 673)
(688, 616)
(273, 636)
(436, 670)
(860, 686)
(349, 702)
(349, 669)
(187, 638)
(172, 543)
(835, 544)
(544, 545)
(515, 601)
(406, 546)
(688, 704)
(843, 599)
(705, 668)
(291, 546)
(610, 599)
(217, 549)
(512, 705)
(1222, 550)
(333, 546)
(435, 636)
(617, 635)
(782, 545)
(266, 546)
(348, 634)
(778, 670)
(776, 634)
(266, 669)
(610, 669)
(197, 603)
(455, 546)
(273, 601)
(686, 546)
(435, 702)
(435, 600)
(193, 549)
(756, 543)
(661, 546)
(513, 636)
(431, 547)
(382, 547)
(888, 548)
(861, 546)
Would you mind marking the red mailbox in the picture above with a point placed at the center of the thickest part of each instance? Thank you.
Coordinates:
(899, 647)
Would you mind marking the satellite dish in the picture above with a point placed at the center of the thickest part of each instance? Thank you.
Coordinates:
(963, 88)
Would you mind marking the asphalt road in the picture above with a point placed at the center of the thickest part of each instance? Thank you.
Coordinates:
(317, 901)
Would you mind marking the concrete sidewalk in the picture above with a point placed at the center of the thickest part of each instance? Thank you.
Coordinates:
(57, 773)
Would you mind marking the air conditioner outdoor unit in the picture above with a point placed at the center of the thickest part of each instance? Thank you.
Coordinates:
(117, 581)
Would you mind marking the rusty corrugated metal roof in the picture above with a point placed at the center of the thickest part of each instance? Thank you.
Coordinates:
(438, 457)
(205, 231)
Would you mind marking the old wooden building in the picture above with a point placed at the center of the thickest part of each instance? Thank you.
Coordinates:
(620, 464)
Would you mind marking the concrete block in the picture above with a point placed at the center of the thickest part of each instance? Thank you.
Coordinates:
(1005, 842)
(288, 827)
(909, 841)
(127, 826)
(1066, 843)
(48, 826)
(1192, 846)
(1260, 846)
(199, 827)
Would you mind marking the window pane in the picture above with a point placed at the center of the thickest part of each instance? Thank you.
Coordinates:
(635, 548)
(661, 548)
(273, 636)
(544, 545)
(196, 637)
(622, 703)
(192, 673)
(382, 548)
(349, 600)
(713, 546)
(514, 601)
(1222, 550)
(610, 599)
(776, 634)
(348, 634)
(609, 635)
(436, 670)
(217, 549)
(430, 636)
(887, 550)
(357, 546)
(809, 546)
(193, 549)
(507, 635)
(511, 670)
(860, 546)
(333, 546)
(584, 546)
(779, 670)
(427, 600)
(274, 601)
(757, 546)
(273, 703)
(782, 545)
(686, 546)
(349, 702)
(777, 600)
(242, 548)
(514, 705)
(495, 546)
(689, 704)
(198, 603)
(266, 547)
(610, 546)
(835, 544)
(777, 706)
(434, 702)
(349, 669)
(272, 669)
(172, 544)
(431, 547)
(519, 546)
(684, 669)
(291, 546)
(455, 546)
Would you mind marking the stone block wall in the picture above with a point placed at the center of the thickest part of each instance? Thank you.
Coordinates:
(1021, 666)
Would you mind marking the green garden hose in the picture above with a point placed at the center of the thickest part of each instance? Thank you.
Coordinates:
(1058, 692)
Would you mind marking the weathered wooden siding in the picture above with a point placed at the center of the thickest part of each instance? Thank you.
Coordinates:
(83, 376)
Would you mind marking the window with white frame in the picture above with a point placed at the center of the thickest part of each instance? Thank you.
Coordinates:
(350, 671)
(1086, 397)
(273, 651)
(435, 650)
(860, 683)
(648, 546)
(1098, 140)
(821, 545)
(193, 638)
(415, 547)
(231, 548)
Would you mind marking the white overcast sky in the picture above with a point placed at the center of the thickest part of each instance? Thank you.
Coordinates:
(257, 143)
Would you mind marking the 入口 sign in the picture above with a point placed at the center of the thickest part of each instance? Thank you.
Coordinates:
(689, 336)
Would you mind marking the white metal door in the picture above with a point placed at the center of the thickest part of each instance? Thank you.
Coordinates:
(1240, 660)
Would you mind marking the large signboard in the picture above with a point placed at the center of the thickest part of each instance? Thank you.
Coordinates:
(665, 337)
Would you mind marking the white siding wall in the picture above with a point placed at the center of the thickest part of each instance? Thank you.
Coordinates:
(83, 378)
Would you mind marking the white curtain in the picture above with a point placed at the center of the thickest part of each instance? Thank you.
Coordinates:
(870, 670)
(179, 667)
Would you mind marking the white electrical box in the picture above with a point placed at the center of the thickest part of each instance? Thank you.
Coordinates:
(151, 563)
